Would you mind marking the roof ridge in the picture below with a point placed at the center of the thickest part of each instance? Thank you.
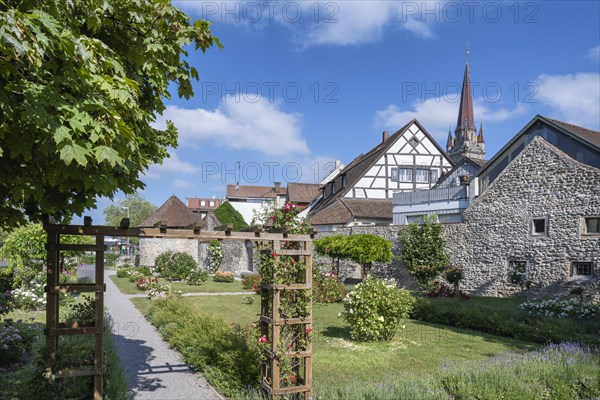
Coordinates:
(571, 124)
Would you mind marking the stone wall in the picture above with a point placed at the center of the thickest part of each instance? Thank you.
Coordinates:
(541, 182)
(237, 258)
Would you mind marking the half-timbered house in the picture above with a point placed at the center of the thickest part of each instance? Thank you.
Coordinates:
(361, 193)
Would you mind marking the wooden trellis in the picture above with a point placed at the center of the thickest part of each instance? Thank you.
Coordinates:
(271, 322)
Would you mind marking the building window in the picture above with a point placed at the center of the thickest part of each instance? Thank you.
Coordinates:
(539, 226)
(202, 203)
(579, 268)
(422, 176)
(344, 181)
(212, 204)
(592, 225)
(414, 142)
(434, 175)
(402, 175)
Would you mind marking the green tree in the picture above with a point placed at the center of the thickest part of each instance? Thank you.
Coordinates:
(81, 84)
(423, 250)
(367, 249)
(334, 246)
(25, 252)
(134, 205)
(226, 214)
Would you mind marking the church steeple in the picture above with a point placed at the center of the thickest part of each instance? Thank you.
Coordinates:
(450, 141)
(466, 120)
(466, 142)
(480, 138)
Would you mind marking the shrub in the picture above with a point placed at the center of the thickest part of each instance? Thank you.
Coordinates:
(228, 357)
(196, 277)
(223, 276)
(134, 275)
(499, 319)
(82, 313)
(561, 308)
(252, 281)
(30, 299)
(123, 272)
(438, 289)
(215, 255)
(146, 283)
(6, 303)
(16, 339)
(173, 265)
(423, 250)
(374, 309)
(327, 288)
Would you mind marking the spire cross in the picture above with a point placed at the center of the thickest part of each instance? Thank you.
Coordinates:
(468, 44)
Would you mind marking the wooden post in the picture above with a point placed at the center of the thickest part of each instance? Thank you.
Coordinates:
(52, 298)
(99, 344)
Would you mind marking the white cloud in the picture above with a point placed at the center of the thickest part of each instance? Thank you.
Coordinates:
(240, 124)
(574, 97)
(324, 22)
(184, 184)
(594, 53)
(172, 164)
(437, 113)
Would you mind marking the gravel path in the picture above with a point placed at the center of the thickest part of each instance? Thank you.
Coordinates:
(153, 369)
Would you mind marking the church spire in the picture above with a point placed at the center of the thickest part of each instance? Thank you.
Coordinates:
(466, 121)
(480, 138)
(450, 141)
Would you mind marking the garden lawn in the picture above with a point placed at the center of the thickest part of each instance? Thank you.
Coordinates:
(209, 286)
(418, 348)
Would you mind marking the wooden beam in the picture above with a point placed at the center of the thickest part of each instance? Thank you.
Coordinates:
(76, 288)
(72, 373)
(99, 337)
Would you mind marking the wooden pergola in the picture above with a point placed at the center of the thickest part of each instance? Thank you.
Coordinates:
(271, 322)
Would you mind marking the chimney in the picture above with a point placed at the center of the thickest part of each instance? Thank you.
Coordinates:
(385, 136)
(277, 187)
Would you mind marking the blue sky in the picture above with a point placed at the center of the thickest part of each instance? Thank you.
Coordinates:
(300, 84)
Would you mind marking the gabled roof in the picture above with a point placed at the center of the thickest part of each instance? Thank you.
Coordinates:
(476, 163)
(249, 191)
(343, 211)
(173, 213)
(586, 136)
(302, 192)
(361, 164)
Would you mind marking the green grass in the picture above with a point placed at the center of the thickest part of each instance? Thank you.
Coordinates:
(209, 286)
(418, 348)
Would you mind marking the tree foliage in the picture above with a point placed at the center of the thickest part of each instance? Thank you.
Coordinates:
(364, 249)
(81, 84)
(423, 250)
(25, 251)
(226, 214)
(139, 210)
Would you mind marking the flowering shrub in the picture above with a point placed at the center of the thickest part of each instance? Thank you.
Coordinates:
(327, 287)
(561, 308)
(157, 292)
(223, 276)
(15, 339)
(133, 275)
(440, 289)
(215, 255)
(123, 272)
(30, 299)
(173, 265)
(374, 309)
(196, 277)
(252, 281)
(146, 283)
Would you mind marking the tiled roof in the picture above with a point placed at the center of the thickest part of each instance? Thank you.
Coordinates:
(345, 210)
(248, 191)
(174, 213)
(302, 192)
(590, 135)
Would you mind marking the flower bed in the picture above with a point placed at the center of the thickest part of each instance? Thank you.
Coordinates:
(223, 276)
